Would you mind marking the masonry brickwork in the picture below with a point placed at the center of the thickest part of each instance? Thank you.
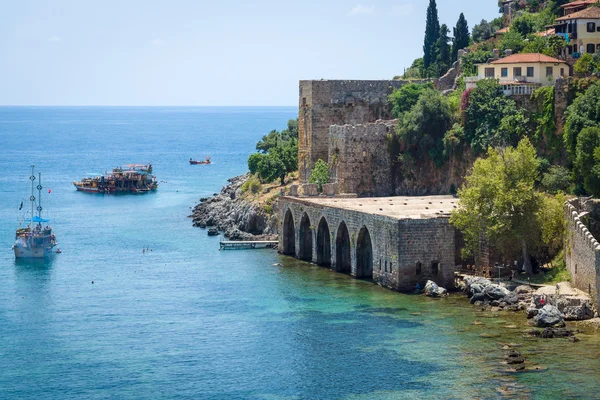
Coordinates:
(402, 253)
(324, 103)
(359, 160)
(582, 250)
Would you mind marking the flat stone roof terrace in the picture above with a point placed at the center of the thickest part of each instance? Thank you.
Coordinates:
(400, 207)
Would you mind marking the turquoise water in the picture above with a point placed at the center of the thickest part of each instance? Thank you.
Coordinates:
(187, 321)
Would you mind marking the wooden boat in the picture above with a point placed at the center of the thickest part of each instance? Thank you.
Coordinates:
(35, 240)
(195, 162)
(134, 178)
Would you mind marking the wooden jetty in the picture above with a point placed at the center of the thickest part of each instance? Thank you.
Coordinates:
(248, 245)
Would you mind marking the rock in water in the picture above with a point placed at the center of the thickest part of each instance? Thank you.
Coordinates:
(432, 289)
(496, 292)
(549, 316)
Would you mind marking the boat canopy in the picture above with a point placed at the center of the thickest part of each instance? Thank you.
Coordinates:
(37, 219)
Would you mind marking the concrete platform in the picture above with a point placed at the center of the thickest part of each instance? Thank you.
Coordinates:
(401, 207)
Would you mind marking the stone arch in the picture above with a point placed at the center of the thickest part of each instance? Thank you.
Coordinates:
(305, 242)
(323, 244)
(343, 261)
(364, 255)
(289, 234)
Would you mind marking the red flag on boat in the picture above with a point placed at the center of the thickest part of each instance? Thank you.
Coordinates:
(49, 191)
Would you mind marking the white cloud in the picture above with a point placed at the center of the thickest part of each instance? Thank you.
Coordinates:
(361, 10)
(158, 42)
(54, 39)
(404, 10)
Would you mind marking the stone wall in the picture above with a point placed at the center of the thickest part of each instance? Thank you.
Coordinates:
(359, 159)
(397, 245)
(582, 251)
(336, 102)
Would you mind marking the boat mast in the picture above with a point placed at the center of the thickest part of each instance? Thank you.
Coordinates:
(39, 188)
(32, 197)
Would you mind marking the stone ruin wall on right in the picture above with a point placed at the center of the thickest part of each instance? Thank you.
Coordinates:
(582, 251)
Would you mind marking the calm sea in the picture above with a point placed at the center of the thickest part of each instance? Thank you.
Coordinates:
(104, 320)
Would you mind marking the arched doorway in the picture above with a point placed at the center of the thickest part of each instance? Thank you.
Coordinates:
(305, 239)
(343, 261)
(364, 255)
(323, 244)
(289, 235)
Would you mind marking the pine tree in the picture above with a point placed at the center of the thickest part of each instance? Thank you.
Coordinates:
(432, 34)
(461, 36)
(443, 50)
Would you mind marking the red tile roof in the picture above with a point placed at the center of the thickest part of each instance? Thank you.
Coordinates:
(527, 58)
(590, 12)
(548, 32)
(578, 3)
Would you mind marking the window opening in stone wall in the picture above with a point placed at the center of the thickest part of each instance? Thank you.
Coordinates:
(419, 268)
(380, 264)
(575, 268)
(435, 267)
(385, 270)
(589, 288)
(304, 102)
(391, 266)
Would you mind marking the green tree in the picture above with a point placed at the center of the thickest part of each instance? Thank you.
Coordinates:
(524, 24)
(461, 36)
(491, 118)
(587, 160)
(554, 45)
(416, 70)
(499, 202)
(444, 60)
(513, 40)
(584, 112)
(432, 34)
(557, 179)
(319, 174)
(404, 98)
(482, 31)
(422, 129)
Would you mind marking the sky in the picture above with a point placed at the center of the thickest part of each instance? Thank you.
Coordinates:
(206, 53)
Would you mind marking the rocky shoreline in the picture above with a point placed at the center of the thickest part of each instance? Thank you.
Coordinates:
(234, 214)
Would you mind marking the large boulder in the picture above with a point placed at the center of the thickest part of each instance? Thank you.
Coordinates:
(432, 289)
(549, 316)
(496, 292)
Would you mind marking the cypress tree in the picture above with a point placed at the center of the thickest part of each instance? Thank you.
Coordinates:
(432, 35)
(443, 50)
(461, 36)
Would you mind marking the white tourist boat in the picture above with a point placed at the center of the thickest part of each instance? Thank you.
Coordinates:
(36, 240)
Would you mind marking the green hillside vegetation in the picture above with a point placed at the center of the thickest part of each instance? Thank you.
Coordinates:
(526, 165)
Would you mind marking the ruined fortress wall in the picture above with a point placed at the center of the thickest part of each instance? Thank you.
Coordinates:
(359, 160)
(582, 252)
(324, 103)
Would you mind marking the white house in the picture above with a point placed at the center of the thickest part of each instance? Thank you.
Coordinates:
(581, 29)
(521, 74)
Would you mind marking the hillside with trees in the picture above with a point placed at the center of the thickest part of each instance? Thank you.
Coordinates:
(527, 159)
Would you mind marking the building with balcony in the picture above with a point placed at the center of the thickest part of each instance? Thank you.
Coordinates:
(521, 74)
(581, 29)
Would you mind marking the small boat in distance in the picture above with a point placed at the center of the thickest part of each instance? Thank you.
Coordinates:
(134, 178)
(195, 162)
(34, 241)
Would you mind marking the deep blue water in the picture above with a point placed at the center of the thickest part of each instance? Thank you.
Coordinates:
(187, 321)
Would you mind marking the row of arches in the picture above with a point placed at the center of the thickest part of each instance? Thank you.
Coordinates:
(324, 248)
